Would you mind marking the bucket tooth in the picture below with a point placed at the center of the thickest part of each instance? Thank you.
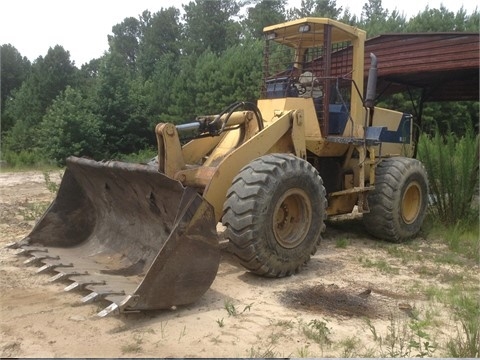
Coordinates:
(50, 265)
(112, 309)
(64, 273)
(27, 249)
(39, 256)
(80, 284)
(18, 244)
(119, 304)
(100, 294)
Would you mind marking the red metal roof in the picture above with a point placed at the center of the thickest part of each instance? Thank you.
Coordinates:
(445, 65)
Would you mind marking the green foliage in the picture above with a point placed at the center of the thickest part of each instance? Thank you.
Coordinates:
(404, 337)
(52, 186)
(121, 102)
(350, 347)
(450, 117)
(210, 25)
(22, 158)
(173, 65)
(258, 352)
(317, 331)
(134, 346)
(232, 309)
(464, 302)
(52, 74)
(322, 8)
(14, 70)
(161, 33)
(125, 42)
(48, 77)
(141, 156)
(342, 243)
(233, 76)
(70, 128)
(262, 14)
(33, 211)
(442, 19)
(462, 238)
(452, 166)
(162, 87)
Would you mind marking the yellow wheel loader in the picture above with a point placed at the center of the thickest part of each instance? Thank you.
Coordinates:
(143, 236)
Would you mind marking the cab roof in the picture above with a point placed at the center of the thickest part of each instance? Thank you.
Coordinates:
(310, 31)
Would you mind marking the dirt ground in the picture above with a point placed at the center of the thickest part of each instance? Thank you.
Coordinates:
(343, 303)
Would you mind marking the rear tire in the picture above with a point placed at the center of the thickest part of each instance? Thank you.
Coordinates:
(399, 202)
(274, 214)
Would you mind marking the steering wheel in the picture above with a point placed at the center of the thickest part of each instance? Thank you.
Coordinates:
(301, 88)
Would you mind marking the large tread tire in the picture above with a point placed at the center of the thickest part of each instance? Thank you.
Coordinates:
(274, 214)
(399, 202)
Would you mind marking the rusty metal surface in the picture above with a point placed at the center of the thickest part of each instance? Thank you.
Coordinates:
(446, 65)
(129, 235)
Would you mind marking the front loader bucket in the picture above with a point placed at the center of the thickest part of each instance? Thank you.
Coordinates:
(129, 235)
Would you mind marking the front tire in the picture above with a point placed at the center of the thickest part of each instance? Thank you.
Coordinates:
(274, 214)
(399, 202)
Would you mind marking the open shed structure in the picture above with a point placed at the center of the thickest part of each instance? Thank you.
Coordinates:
(444, 66)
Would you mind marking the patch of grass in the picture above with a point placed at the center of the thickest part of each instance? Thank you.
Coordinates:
(317, 331)
(286, 324)
(464, 239)
(280, 329)
(434, 293)
(303, 352)
(466, 343)
(258, 352)
(426, 270)
(465, 305)
(220, 322)
(372, 328)
(216, 340)
(449, 258)
(232, 309)
(51, 185)
(382, 265)
(182, 333)
(404, 337)
(24, 160)
(405, 253)
(274, 337)
(133, 347)
(33, 211)
(451, 277)
(350, 346)
(342, 243)
(163, 326)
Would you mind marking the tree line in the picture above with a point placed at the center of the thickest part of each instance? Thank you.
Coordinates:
(170, 66)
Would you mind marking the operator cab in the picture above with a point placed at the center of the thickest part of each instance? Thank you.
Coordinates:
(314, 58)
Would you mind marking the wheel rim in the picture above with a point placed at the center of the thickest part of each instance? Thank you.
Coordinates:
(292, 218)
(411, 202)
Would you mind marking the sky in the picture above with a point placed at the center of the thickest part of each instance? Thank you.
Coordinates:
(82, 27)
